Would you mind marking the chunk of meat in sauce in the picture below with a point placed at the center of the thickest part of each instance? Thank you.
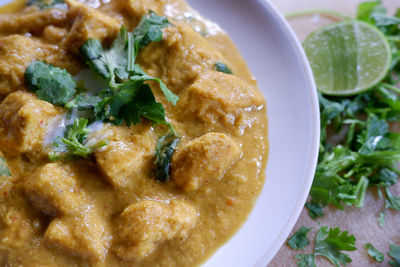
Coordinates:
(144, 225)
(17, 52)
(179, 58)
(82, 235)
(138, 8)
(202, 159)
(216, 97)
(88, 23)
(31, 20)
(53, 34)
(120, 161)
(23, 123)
(18, 221)
(53, 190)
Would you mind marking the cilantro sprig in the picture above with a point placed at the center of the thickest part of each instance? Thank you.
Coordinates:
(329, 243)
(128, 98)
(73, 144)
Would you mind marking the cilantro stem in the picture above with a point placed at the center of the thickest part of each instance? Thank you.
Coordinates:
(393, 38)
(391, 87)
(325, 12)
(361, 191)
(131, 52)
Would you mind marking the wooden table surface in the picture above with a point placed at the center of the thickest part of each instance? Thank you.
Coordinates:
(363, 223)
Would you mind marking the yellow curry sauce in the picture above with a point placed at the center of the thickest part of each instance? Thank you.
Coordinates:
(109, 210)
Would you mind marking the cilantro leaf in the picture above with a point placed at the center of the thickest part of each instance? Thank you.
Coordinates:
(111, 64)
(4, 171)
(395, 254)
(145, 106)
(165, 148)
(330, 243)
(171, 97)
(299, 239)
(314, 210)
(83, 102)
(148, 30)
(365, 9)
(374, 253)
(391, 200)
(45, 4)
(305, 260)
(50, 83)
(373, 136)
(222, 67)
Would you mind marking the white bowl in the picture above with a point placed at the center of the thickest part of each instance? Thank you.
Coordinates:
(277, 60)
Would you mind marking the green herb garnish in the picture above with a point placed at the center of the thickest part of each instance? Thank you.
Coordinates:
(329, 243)
(163, 156)
(395, 254)
(4, 170)
(45, 4)
(221, 67)
(305, 260)
(110, 63)
(73, 144)
(148, 31)
(128, 98)
(299, 239)
(50, 83)
(374, 253)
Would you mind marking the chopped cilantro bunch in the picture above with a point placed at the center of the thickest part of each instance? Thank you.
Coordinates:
(358, 150)
(127, 99)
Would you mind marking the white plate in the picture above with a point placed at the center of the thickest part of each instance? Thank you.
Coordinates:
(277, 60)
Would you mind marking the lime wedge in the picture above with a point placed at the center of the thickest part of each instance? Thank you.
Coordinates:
(347, 57)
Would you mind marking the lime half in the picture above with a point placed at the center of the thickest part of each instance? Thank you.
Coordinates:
(347, 57)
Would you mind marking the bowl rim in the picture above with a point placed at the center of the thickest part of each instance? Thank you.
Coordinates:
(312, 164)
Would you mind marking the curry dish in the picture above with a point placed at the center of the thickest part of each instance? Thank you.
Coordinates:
(131, 134)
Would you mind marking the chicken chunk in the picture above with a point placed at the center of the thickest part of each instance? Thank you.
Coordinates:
(138, 8)
(17, 52)
(82, 235)
(202, 159)
(218, 97)
(23, 123)
(31, 20)
(53, 190)
(179, 58)
(88, 23)
(119, 161)
(144, 225)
